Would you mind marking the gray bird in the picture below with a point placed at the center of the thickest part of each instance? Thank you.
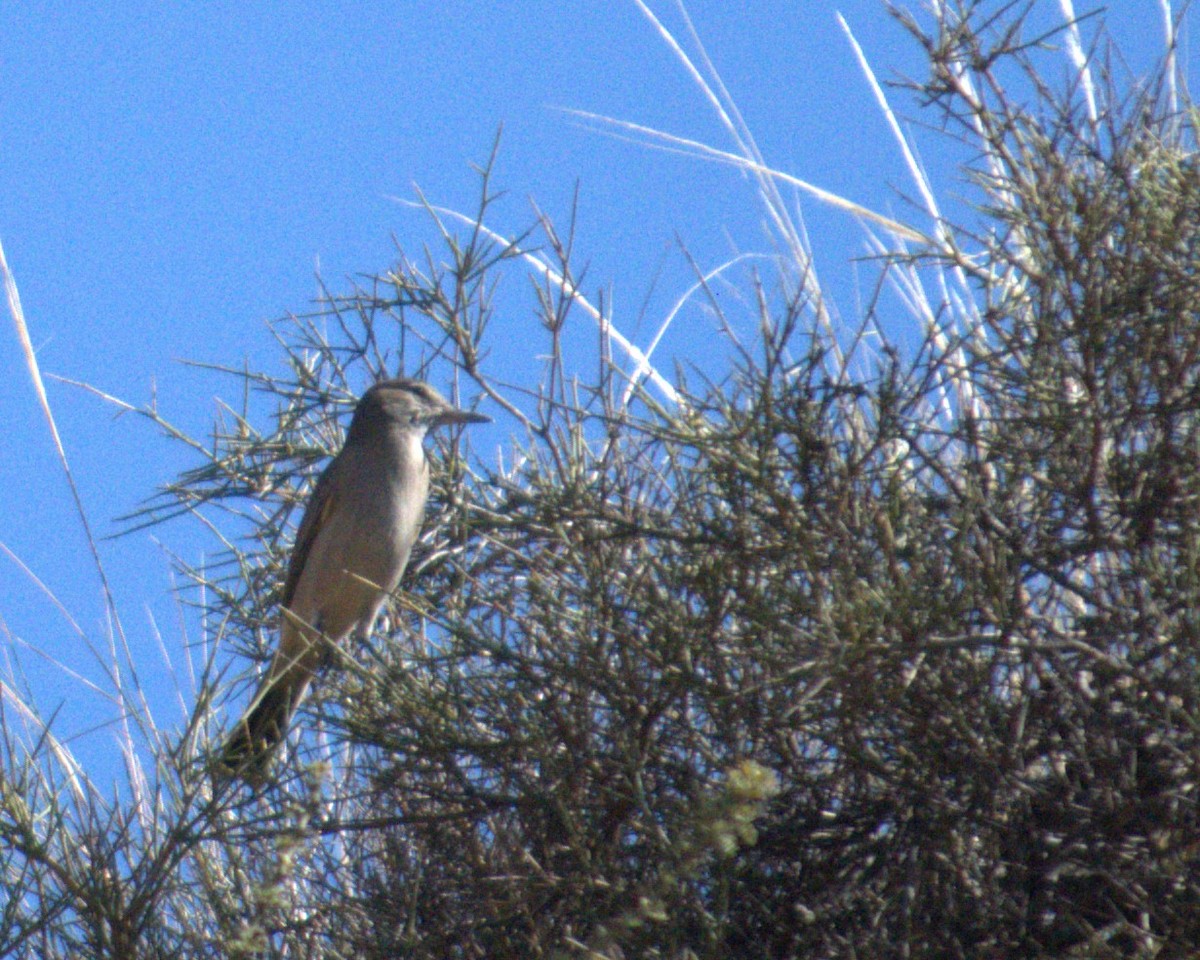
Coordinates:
(350, 551)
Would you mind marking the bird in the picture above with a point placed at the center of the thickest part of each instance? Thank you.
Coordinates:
(350, 551)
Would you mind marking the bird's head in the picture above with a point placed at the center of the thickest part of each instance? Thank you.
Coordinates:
(411, 404)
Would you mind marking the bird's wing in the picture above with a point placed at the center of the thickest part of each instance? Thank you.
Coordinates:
(320, 507)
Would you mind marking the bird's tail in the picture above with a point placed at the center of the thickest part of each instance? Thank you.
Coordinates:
(248, 751)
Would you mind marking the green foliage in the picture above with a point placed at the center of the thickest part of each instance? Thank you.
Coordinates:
(805, 662)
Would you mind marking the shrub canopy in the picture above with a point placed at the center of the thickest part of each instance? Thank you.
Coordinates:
(846, 654)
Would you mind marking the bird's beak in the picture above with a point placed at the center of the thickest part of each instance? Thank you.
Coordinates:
(454, 415)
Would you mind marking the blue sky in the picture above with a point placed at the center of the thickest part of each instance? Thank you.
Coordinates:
(174, 175)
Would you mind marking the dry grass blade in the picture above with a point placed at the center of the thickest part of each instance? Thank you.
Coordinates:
(545, 270)
(671, 142)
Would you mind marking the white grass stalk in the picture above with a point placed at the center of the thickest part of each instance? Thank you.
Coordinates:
(644, 369)
(1171, 42)
(1080, 61)
(117, 633)
(731, 119)
(533, 259)
(964, 389)
(672, 143)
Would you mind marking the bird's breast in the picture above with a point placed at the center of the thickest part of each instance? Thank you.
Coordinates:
(395, 482)
(361, 549)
